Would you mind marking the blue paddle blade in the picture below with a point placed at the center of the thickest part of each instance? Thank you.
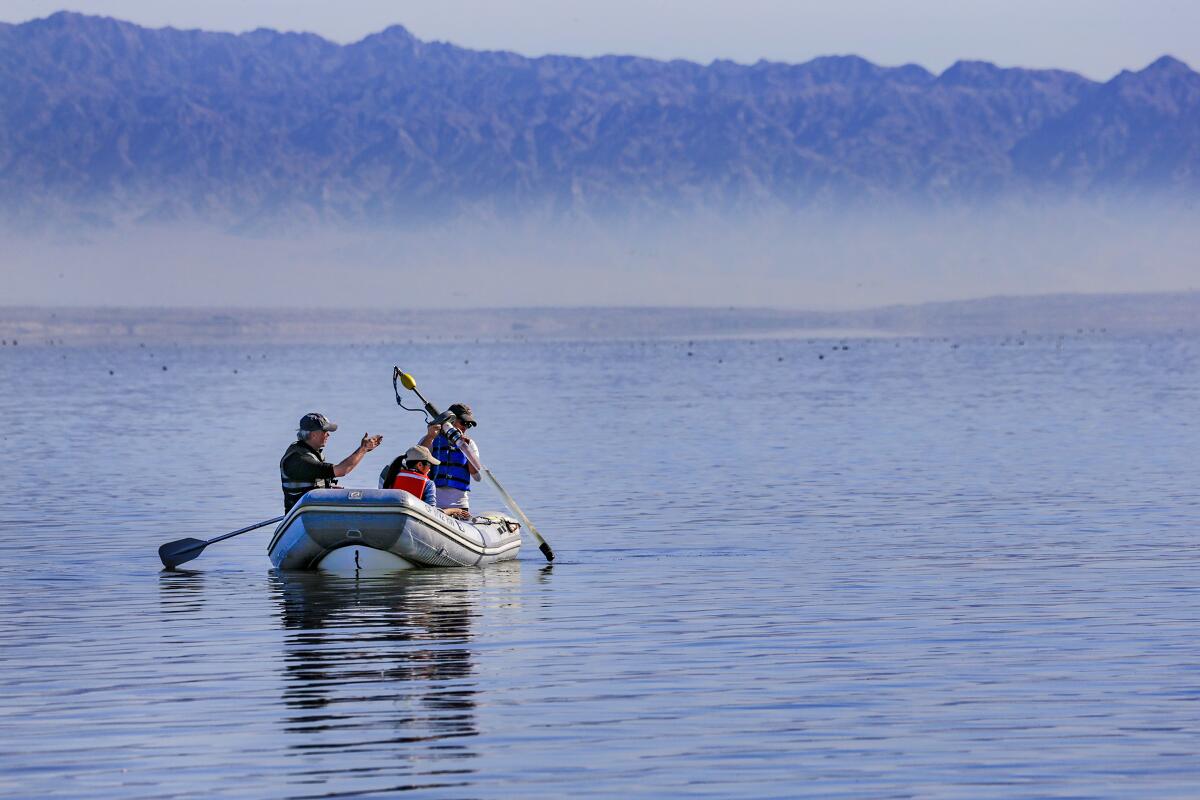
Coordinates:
(178, 552)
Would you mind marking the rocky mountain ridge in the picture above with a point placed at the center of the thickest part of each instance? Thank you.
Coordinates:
(108, 121)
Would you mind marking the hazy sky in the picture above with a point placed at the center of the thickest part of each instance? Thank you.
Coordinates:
(791, 260)
(1095, 37)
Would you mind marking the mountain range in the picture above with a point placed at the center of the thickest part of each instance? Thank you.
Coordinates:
(106, 121)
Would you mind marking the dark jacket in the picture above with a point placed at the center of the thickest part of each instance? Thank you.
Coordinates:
(301, 469)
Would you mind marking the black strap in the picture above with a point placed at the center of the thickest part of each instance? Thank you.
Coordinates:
(392, 471)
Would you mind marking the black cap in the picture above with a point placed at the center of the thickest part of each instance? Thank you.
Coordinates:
(316, 422)
(463, 412)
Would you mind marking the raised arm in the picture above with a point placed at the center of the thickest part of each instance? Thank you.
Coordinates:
(368, 444)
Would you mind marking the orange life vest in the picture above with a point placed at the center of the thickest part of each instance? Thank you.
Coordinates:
(411, 482)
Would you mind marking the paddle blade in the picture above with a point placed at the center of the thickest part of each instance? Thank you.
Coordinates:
(546, 551)
(180, 552)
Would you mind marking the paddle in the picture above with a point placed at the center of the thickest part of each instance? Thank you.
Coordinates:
(452, 433)
(179, 552)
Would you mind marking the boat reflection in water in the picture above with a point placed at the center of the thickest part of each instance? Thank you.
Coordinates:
(379, 673)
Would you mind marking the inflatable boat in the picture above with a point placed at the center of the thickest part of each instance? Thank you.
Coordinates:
(386, 529)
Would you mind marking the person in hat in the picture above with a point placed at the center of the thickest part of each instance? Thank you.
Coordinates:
(303, 467)
(454, 473)
(410, 473)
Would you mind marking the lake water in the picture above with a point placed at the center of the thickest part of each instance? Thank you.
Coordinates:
(910, 568)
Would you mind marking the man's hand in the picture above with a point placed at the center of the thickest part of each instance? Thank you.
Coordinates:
(433, 430)
(367, 444)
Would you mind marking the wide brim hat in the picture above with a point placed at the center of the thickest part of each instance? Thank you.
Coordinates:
(419, 453)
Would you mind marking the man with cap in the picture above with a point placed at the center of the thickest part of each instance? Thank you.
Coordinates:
(410, 473)
(453, 475)
(303, 467)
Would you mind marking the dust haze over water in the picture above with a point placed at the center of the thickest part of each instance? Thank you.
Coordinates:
(812, 259)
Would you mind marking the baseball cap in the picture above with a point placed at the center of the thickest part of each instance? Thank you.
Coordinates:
(463, 412)
(316, 422)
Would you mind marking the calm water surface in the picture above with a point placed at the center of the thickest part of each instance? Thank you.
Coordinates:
(934, 569)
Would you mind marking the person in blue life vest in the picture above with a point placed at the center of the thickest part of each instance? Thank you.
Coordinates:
(303, 466)
(410, 473)
(454, 473)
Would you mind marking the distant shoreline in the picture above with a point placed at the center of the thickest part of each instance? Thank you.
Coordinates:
(1049, 314)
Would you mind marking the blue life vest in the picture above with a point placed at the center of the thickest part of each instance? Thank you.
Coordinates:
(453, 471)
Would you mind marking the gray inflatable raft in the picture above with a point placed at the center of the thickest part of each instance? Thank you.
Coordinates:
(386, 529)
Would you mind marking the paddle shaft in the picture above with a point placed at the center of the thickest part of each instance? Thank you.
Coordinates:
(181, 551)
(542, 544)
(247, 529)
